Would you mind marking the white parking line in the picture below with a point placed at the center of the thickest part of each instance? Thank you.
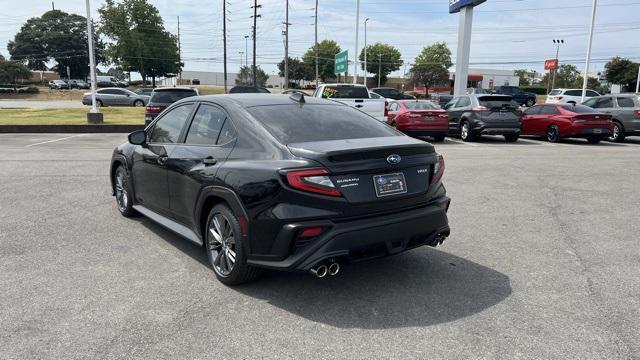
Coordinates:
(461, 142)
(50, 141)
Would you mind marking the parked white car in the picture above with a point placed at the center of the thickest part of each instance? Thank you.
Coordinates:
(566, 96)
(354, 95)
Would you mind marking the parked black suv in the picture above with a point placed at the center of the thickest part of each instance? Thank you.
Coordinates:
(474, 115)
(391, 93)
(282, 182)
(519, 96)
(161, 98)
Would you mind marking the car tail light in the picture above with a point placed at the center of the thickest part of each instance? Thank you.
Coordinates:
(438, 169)
(310, 232)
(444, 116)
(312, 180)
(636, 113)
(480, 108)
(153, 109)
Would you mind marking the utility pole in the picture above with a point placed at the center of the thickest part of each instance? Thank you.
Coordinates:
(286, 46)
(555, 72)
(355, 55)
(365, 51)
(315, 49)
(93, 117)
(638, 81)
(379, 68)
(179, 55)
(53, 6)
(224, 41)
(404, 75)
(241, 53)
(588, 61)
(255, 17)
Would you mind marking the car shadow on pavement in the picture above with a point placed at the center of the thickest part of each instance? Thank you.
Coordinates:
(419, 288)
(190, 248)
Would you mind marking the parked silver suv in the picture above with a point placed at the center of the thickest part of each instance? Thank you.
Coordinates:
(625, 110)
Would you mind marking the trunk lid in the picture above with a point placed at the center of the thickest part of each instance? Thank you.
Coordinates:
(499, 110)
(374, 169)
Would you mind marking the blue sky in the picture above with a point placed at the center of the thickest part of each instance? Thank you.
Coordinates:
(508, 34)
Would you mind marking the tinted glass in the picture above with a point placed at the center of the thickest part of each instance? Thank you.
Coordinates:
(227, 133)
(549, 110)
(294, 123)
(420, 105)
(590, 102)
(573, 93)
(463, 101)
(393, 107)
(591, 93)
(625, 102)
(168, 128)
(555, 92)
(604, 103)
(171, 96)
(496, 102)
(580, 109)
(533, 110)
(345, 92)
(205, 126)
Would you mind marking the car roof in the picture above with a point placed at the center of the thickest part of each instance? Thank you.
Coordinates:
(174, 88)
(384, 88)
(253, 99)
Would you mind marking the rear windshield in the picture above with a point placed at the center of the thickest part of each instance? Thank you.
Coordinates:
(496, 102)
(555, 92)
(421, 105)
(295, 124)
(171, 96)
(345, 92)
(580, 109)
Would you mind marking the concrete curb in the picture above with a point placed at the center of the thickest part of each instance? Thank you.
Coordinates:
(63, 129)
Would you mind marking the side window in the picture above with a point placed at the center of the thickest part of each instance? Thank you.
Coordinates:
(625, 102)
(604, 103)
(119, 92)
(227, 133)
(168, 128)
(463, 102)
(573, 93)
(533, 110)
(393, 107)
(590, 102)
(591, 93)
(549, 110)
(205, 126)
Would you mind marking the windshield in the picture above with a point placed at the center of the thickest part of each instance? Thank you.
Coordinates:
(555, 92)
(295, 124)
(420, 105)
(497, 102)
(171, 96)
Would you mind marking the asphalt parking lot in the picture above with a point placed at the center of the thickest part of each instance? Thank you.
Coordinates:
(543, 262)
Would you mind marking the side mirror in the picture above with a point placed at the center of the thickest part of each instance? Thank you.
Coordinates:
(138, 137)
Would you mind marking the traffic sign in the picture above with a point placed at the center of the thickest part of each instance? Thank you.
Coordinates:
(341, 62)
(551, 64)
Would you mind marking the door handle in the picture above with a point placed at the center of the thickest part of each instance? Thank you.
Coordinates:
(162, 159)
(209, 161)
(359, 106)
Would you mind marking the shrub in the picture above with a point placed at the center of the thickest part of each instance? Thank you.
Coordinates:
(28, 90)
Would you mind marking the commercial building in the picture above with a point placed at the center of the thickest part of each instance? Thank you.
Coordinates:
(215, 78)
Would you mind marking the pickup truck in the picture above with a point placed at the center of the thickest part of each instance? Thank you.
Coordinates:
(354, 95)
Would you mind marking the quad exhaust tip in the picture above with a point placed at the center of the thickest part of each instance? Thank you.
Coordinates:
(322, 270)
(334, 269)
(319, 271)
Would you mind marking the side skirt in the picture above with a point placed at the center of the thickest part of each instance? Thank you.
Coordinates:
(169, 224)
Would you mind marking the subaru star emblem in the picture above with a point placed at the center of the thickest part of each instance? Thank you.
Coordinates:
(394, 159)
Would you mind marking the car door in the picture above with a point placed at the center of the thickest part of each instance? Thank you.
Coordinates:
(458, 106)
(207, 144)
(547, 117)
(120, 97)
(604, 104)
(392, 112)
(531, 120)
(624, 112)
(149, 161)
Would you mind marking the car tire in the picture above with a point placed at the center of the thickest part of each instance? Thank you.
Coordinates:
(465, 131)
(122, 192)
(438, 138)
(594, 139)
(553, 134)
(618, 133)
(224, 247)
(511, 137)
(138, 103)
(99, 103)
(530, 103)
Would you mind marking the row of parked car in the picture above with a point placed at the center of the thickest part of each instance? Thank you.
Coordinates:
(102, 82)
(611, 117)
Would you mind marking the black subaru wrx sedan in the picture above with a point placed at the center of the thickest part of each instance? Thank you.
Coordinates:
(288, 183)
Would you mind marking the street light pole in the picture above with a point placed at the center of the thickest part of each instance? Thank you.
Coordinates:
(355, 56)
(638, 81)
(365, 51)
(379, 68)
(93, 117)
(588, 61)
(555, 72)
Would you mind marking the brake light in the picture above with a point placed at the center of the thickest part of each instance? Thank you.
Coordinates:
(444, 116)
(438, 169)
(153, 109)
(480, 108)
(312, 180)
(636, 113)
(310, 232)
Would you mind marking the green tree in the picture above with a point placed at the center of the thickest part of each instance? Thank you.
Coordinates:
(11, 72)
(524, 75)
(139, 40)
(57, 36)
(622, 72)
(382, 58)
(567, 77)
(327, 50)
(431, 66)
(298, 70)
(245, 77)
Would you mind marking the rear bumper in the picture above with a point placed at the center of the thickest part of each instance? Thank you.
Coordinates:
(363, 239)
(588, 131)
(425, 132)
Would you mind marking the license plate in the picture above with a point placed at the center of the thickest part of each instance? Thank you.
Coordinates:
(389, 184)
(429, 118)
(597, 131)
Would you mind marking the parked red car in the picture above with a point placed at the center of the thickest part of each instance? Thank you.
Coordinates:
(418, 118)
(557, 121)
